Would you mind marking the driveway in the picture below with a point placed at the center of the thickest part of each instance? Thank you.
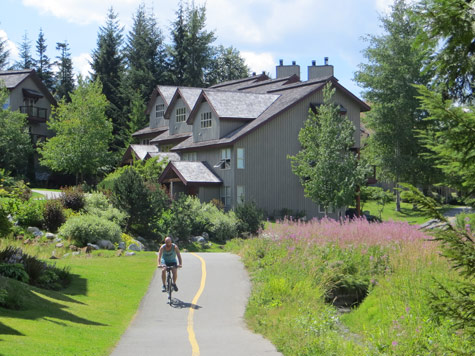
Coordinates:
(206, 317)
(48, 194)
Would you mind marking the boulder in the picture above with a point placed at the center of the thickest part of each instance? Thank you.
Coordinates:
(205, 235)
(59, 245)
(122, 245)
(92, 246)
(202, 240)
(58, 239)
(66, 255)
(76, 253)
(195, 238)
(50, 236)
(73, 247)
(106, 244)
(135, 247)
(33, 230)
(130, 253)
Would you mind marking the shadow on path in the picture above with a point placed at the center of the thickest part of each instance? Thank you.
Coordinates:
(178, 304)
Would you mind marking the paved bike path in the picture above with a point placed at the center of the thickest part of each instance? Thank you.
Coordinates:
(217, 322)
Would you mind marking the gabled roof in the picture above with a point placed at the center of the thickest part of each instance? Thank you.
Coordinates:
(265, 85)
(189, 96)
(171, 156)
(234, 105)
(165, 91)
(190, 173)
(142, 150)
(13, 78)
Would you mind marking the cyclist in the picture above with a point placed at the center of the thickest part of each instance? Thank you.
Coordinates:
(167, 256)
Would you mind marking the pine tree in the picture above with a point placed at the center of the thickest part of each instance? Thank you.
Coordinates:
(4, 54)
(108, 66)
(42, 65)
(64, 77)
(177, 51)
(198, 47)
(26, 60)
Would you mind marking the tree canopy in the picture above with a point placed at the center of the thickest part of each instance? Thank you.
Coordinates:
(83, 133)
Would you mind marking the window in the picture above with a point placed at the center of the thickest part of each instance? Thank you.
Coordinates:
(225, 162)
(240, 158)
(189, 156)
(165, 148)
(146, 141)
(240, 194)
(321, 209)
(205, 120)
(159, 110)
(226, 196)
(180, 114)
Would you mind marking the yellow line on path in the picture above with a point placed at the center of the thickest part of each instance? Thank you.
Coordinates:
(191, 333)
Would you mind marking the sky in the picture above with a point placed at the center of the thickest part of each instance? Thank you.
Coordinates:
(264, 31)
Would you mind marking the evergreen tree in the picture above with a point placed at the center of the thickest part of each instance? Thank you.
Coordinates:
(108, 66)
(26, 60)
(394, 66)
(4, 54)
(177, 51)
(42, 65)
(227, 64)
(198, 47)
(327, 168)
(64, 78)
(145, 54)
(137, 117)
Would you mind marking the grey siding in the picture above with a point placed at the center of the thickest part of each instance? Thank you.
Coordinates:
(178, 127)
(227, 126)
(154, 121)
(206, 194)
(208, 133)
(268, 178)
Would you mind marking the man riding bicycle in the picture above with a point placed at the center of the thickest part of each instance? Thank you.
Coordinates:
(167, 256)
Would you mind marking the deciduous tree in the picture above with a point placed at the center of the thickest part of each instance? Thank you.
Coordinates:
(227, 64)
(83, 133)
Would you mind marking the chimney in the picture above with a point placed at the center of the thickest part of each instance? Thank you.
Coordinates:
(287, 70)
(314, 62)
(323, 71)
(253, 74)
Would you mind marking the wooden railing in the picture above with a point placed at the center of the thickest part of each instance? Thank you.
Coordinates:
(34, 113)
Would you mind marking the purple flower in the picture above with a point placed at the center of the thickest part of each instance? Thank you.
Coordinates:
(394, 343)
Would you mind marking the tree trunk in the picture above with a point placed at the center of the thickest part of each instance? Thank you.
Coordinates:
(398, 198)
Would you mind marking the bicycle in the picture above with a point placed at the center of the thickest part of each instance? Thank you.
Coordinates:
(169, 282)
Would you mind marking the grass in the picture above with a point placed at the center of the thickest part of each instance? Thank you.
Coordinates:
(407, 213)
(88, 317)
(294, 265)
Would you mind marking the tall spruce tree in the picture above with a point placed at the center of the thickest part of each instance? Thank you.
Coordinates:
(26, 60)
(108, 66)
(199, 50)
(394, 65)
(177, 50)
(43, 65)
(64, 78)
(4, 54)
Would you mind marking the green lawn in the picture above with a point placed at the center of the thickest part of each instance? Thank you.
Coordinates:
(88, 317)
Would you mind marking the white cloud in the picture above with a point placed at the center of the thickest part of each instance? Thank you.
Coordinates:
(11, 47)
(384, 6)
(259, 62)
(81, 64)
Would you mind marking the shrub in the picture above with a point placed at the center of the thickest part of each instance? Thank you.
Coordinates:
(30, 213)
(11, 294)
(98, 204)
(250, 218)
(466, 222)
(223, 225)
(34, 267)
(85, 229)
(14, 271)
(182, 218)
(53, 215)
(72, 198)
(5, 224)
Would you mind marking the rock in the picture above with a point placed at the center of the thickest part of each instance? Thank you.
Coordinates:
(134, 247)
(205, 235)
(58, 239)
(59, 245)
(129, 253)
(120, 252)
(195, 238)
(122, 245)
(76, 253)
(50, 236)
(66, 255)
(428, 223)
(106, 244)
(93, 246)
(33, 230)
(73, 247)
(38, 234)
(202, 240)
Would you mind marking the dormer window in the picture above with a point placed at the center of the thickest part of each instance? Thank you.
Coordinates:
(159, 110)
(180, 114)
(205, 120)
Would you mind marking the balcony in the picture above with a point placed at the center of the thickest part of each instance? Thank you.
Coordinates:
(35, 114)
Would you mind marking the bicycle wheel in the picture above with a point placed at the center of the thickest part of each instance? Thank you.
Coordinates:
(169, 286)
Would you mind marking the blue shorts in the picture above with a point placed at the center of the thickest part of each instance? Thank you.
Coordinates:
(169, 264)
